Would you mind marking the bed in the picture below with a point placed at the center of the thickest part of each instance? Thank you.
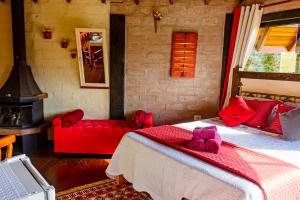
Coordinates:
(166, 173)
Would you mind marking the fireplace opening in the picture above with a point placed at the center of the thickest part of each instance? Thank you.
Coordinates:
(21, 115)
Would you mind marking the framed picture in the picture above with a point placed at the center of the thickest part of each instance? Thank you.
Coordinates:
(92, 57)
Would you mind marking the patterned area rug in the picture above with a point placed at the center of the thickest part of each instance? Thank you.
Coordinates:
(103, 190)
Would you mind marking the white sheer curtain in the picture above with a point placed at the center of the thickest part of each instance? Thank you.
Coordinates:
(249, 24)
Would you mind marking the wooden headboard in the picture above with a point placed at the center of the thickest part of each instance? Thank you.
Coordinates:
(237, 84)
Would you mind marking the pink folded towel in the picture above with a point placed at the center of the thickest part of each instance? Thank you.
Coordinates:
(213, 145)
(197, 145)
(204, 133)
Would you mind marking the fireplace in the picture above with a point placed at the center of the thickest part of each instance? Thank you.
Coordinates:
(21, 100)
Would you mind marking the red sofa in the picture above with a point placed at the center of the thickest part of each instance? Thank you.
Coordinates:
(74, 135)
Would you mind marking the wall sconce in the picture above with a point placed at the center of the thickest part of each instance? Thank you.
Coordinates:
(157, 17)
(47, 32)
(68, 1)
(73, 53)
(64, 43)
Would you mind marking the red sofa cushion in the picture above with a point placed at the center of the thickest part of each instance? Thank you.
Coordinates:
(236, 112)
(138, 119)
(275, 126)
(148, 122)
(263, 109)
(71, 118)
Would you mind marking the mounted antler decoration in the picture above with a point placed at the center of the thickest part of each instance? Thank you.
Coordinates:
(157, 16)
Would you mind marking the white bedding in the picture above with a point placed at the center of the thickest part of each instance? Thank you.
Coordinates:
(168, 174)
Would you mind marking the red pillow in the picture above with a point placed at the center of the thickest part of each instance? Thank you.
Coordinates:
(139, 118)
(263, 110)
(236, 112)
(71, 118)
(275, 126)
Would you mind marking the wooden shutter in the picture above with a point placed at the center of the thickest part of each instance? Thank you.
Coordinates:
(184, 51)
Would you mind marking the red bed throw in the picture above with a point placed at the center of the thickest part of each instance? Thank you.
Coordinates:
(278, 180)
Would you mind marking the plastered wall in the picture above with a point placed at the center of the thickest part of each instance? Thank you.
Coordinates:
(53, 68)
(5, 42)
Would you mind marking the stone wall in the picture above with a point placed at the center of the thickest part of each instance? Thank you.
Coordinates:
(53, 68)
(148, 82)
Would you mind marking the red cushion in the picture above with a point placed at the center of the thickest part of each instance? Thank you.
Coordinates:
(263, 110)
(236, 112)
(139, 118)
(275, 126)
(71, 118)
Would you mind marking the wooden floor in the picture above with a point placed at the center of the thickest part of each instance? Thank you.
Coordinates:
(67, 171)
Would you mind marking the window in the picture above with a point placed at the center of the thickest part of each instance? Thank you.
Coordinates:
(277, 49)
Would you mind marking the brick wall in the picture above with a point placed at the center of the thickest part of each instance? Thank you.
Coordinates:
(148, 83)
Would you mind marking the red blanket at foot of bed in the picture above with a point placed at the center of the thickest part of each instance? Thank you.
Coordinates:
(278, 180)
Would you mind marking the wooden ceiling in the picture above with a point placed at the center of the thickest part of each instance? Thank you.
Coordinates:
(277, 36)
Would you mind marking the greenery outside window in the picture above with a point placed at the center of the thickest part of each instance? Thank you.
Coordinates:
(277, 49)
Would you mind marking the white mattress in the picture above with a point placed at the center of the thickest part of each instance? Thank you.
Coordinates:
(166, 173)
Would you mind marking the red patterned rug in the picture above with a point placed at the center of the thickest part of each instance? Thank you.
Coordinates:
(103, 190)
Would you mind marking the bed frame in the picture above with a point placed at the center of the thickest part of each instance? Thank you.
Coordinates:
(237, 84)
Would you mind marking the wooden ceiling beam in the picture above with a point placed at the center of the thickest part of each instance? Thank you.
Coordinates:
(263, 38)
(293, 45)
(172, 1)
(137, 2)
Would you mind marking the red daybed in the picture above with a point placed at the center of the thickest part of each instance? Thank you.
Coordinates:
(74, 135)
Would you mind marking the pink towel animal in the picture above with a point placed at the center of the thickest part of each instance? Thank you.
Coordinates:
(204, 133)
(197, 145)
(213, 145)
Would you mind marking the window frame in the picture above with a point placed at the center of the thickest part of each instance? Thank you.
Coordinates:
(270, 19)
(281, 18)
(276, 19)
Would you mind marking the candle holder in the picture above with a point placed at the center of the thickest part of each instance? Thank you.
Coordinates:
(47, 33)
(64, 43)
(73, 53)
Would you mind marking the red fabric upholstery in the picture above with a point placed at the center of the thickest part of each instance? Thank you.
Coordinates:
(148, 122)
(236, 112)
(139, 118)
(92, 136)
(275, 126)
(71, 118)
(263, 110)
